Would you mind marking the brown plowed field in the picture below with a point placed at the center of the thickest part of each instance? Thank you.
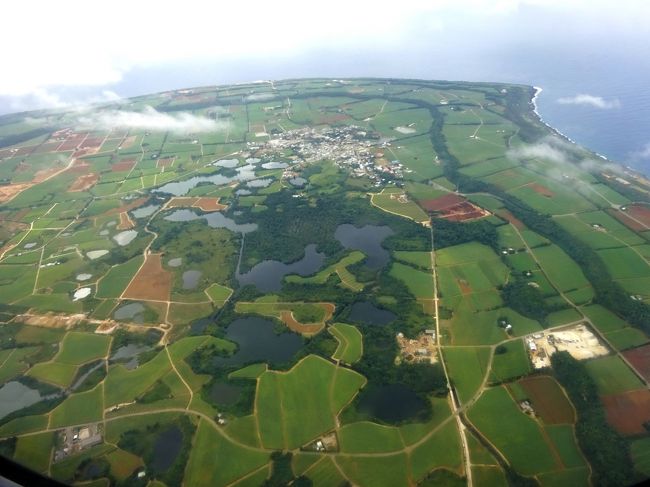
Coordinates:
(152, 282)
(205, 204)
(84, 182)
(628, 411)
(506, 215)
(441, 203)
(640, 359)
(543, 190)
(548, 400)
(9, 191)
(303, 329)
(641, 213)
(125, 222)
(125, 165)
(627, 221)
(127, 207)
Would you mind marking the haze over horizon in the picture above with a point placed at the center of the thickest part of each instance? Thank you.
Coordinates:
(588, 56)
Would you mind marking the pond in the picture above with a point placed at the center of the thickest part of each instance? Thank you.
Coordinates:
(214, 220)
(226, 163)
(391, 403)
(131, 311)
(125, 237)
(267, 275)
(166, 448)
(368, 240)
(191, 279)
(175, 262)
(83, 277)
(81, 379)
(145, 211)
(96, 254)
(368, 314)
(275, 165)
(15, 396)
(258, 342)
(298, 182)
(224, 394)
(180, 188)
(81, 293)
(259, 183)
(129, 352)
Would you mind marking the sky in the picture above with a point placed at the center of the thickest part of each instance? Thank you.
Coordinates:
(71, 49)
(589, 55)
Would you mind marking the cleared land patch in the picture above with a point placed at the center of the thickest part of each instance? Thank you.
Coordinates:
(629, 411)
(152, 282)
(292, 314)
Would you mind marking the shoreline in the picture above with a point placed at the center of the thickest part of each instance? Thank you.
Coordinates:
(533, 101)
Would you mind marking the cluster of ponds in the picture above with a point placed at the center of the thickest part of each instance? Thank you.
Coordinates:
(214, 220)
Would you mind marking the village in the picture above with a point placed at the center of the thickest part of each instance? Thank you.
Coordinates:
(418, 350)
(349, 147)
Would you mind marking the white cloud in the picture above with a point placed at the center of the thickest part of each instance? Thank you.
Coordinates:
(590, 100)
(641, 154)
(151, 119)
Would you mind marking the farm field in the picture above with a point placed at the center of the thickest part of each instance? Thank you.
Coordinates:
(318, 281)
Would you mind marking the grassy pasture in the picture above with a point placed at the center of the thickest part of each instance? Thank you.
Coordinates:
(387, 471)
(467, 368)
(117, 278)
(419, 283)
(414, 258)
(55, 373)
(513, 363)
(515, 434)
(34, 451)
(84, 407)
(249, 372)
(624, 263)
(641, 455)
(218, 294)
(350, 347)
(78, 348)
(123, 463)
(367, 437)
(564, 440)
(289, 418)
(612, 375)
(394, 200)
(340, 268)
(560, 268)
(324, 473)
(215, 461)
(441, 450)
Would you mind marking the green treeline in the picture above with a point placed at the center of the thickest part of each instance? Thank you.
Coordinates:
(607, 452)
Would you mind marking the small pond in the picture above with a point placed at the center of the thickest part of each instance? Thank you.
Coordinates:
(368, 240)
(191, 279)
(166, 448)
(258, 342)
(267, 275)
(125, 237)
(368, 314)
(145, 211)
(214, 220)
(131, 311)
(224, 394)
(15, 396)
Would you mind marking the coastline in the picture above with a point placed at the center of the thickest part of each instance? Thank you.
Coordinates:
(533, 101)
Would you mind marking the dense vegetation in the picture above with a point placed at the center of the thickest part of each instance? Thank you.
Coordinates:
(525, 299)
(607, 452)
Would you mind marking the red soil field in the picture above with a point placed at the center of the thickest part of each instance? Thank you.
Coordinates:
(152, 282)
(442, 202)
(628, 411)
(84, 182)
(548, 400)
(627, 221)
(92, 142)
(640, 359)
(307, 329)
(205, 204)
(539, 189)
(128, 142)
(127, 207)
(641, 213)
(125, 222)
(506, 215)
(125, 165)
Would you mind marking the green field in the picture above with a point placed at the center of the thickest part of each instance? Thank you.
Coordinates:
(512, 362)
(395, 201)
(516, 435)
(467, 368)
(81, 408)
(419, 283)
(79, 348)
(612, 376)
(287, 416)
(340, 269)
(350, 347)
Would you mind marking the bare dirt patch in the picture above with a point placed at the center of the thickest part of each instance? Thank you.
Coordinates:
(307, 329)
(126, 207)
(152, 282)
(9, 191)
(539, 189)
(628, 411)
(84, 182)
(128, 142)
(548, 400)
(51, 320)
(627, 221)
(125, 165)
(641, 213)
(640, 359)
(203, 203)
(509, 217)
(125, 222)
(465, 288)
